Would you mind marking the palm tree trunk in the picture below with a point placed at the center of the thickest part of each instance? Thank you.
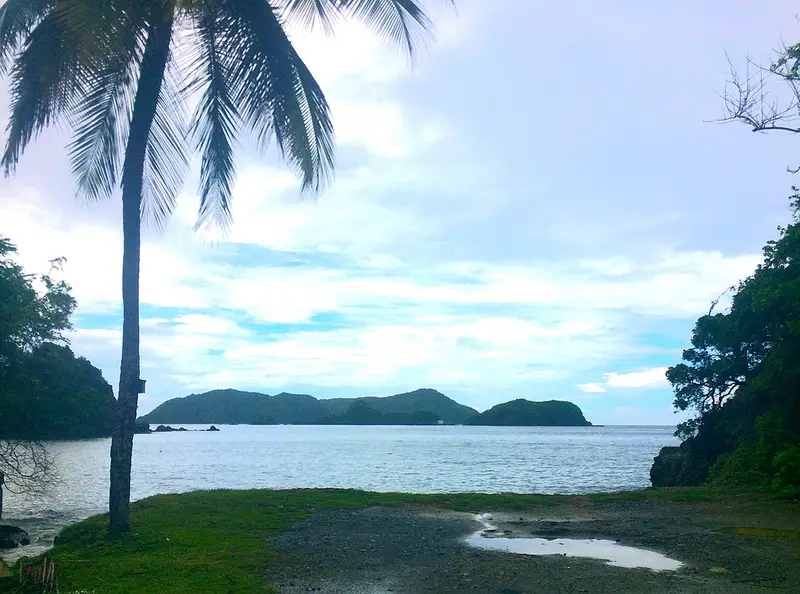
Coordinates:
(154, 61)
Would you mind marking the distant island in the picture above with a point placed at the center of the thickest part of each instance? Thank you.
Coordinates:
(524, 413)
(420, 407)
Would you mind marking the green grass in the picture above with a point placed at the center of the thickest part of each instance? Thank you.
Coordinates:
(217, 541)
(766, 532)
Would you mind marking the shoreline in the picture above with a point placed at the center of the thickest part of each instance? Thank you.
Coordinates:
(262, 539)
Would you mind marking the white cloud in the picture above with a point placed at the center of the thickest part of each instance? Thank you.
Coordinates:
(646, 378)
(443, 264)
(530, 322)
(204, 324)
(654, 377)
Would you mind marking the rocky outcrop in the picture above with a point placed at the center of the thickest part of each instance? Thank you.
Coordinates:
(167, 429)
(141, 428)
(678, 467)
(145, 428)
(12, 537)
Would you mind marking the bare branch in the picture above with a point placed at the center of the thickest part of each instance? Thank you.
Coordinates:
(26, 466)
(765, 98)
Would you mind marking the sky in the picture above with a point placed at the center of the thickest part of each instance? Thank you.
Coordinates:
(539, 206)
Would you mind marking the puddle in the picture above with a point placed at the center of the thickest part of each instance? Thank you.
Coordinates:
(594, 548)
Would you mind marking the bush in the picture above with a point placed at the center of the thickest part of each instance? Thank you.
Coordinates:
(787, 468)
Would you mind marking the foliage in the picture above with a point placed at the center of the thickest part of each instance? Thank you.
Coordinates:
(787, 467)
(29, 317)
(360, 413)
(45, 392)
(82, 62)
(55, 395)
(742, 375)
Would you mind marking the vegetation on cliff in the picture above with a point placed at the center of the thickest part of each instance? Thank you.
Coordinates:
(57, 396)
(46, 392)
(741, 378)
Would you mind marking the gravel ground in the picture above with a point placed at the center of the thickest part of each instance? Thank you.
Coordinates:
(380, 550)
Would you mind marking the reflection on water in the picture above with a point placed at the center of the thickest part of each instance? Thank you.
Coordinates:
(592, 548)
(414, 459)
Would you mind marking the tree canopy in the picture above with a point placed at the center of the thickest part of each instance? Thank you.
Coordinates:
(29, 317)
(741, 377)
(45, 391)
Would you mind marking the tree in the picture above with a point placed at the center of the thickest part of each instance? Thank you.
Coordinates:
(741, 377)
(52, 394)
(766, 98)
(115, 70)
(28, 320)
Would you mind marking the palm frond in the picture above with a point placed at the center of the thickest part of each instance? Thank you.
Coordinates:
(47, 80)
(17, 19)
(216, 118)
(403, 22)
(277, 95)
(167, 153)
(103, 27)
(101, 123)
(310, 13)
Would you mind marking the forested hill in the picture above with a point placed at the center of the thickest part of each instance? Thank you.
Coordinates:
(519, 413)
(234, 406)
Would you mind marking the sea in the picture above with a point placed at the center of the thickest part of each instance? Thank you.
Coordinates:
(420, 459)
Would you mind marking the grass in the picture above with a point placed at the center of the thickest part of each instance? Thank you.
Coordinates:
(765, 532)
(217, 541)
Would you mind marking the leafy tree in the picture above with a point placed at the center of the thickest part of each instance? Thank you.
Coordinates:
(54, 395)
(742, 375)
(28, 319)
(115, 70)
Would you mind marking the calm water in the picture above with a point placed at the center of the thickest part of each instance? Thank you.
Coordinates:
(414, 459)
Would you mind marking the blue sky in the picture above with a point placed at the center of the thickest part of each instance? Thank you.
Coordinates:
(538, 208)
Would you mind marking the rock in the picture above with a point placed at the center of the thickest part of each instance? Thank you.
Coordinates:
(140, 428)
(212, 428)
(666, 469)
(167, 428)
(676, 467)
(12, 537)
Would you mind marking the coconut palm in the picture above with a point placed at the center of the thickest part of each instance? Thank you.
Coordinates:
(121, 73)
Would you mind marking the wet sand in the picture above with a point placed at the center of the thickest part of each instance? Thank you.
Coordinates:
(407, 550)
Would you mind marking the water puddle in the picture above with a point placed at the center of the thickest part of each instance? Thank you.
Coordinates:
(594, 548)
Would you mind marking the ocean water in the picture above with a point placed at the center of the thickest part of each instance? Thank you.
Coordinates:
(430, 459)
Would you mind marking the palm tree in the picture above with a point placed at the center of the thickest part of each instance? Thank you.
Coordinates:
(120, 73)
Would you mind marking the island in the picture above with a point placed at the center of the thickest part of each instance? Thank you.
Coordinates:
(419, 407)
(525, 413)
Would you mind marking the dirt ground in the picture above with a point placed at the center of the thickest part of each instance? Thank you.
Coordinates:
(380, 550)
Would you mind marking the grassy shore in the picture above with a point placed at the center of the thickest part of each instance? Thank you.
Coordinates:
(220, 541)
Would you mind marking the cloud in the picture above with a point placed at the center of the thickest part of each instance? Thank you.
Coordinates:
(646, 378)
(475, 240)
